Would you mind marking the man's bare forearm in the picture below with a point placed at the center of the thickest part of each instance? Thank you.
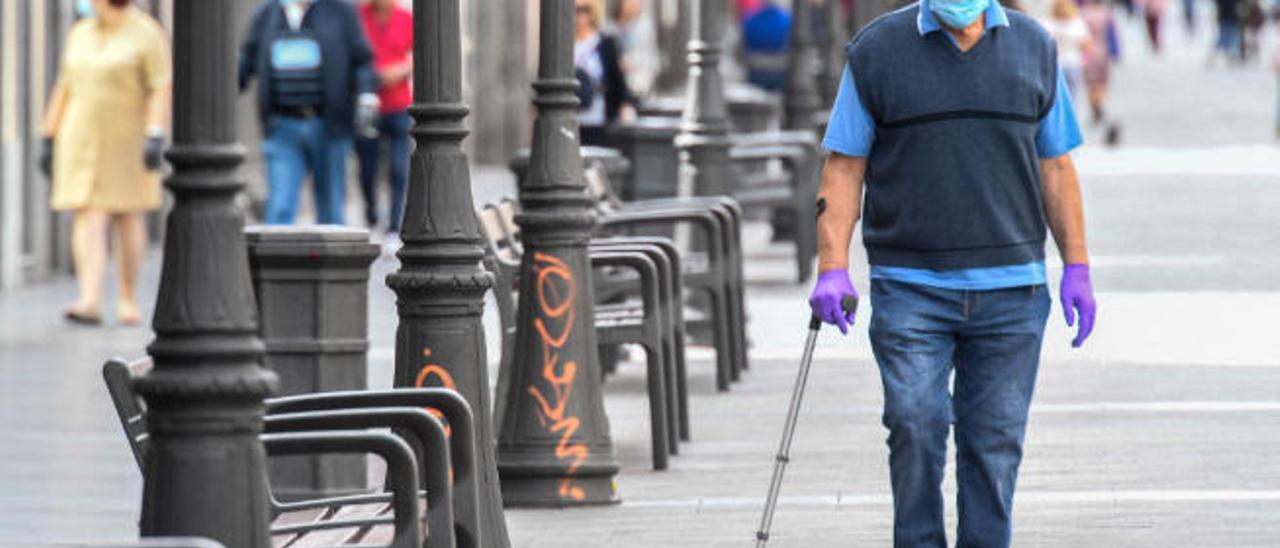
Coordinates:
(1064, 208)
(839, 206)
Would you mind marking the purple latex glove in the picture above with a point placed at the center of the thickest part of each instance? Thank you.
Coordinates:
(832, 288)
(1076, 294)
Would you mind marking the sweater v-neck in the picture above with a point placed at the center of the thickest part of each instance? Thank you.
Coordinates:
(950, 43)
(994, 17)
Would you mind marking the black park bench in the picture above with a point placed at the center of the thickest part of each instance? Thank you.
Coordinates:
(425, 462)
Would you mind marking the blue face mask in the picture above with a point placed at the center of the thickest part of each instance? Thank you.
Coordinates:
(84, 8)
(958, 14)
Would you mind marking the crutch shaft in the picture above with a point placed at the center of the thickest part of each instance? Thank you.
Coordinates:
(788, 432)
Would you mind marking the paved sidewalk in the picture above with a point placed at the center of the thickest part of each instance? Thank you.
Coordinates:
(1118, 455)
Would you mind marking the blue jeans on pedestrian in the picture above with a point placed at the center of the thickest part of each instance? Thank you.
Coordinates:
(1229, 36)
(394, 129)
(293, 147)
(990, 340)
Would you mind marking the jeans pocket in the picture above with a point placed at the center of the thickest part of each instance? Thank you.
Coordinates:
(1039, 294)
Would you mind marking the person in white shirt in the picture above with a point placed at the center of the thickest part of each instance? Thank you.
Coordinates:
(603, 94)
(1068, 29)
(638, 40)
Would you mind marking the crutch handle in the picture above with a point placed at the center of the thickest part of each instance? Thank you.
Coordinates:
(850, 305)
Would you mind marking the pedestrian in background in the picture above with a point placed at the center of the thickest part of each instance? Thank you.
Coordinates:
(765, 34)
(1189, 15)
(1252, 19)
(103, 138)
(637, 38)
(1068, 29)
(1100, 21)
(1153, 16)
(1275, 66)
(316, 88)
(745, 8)
(389, 28)
(603, 92)
(1228, 44)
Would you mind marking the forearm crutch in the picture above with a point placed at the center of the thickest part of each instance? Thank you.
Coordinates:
(850, 305)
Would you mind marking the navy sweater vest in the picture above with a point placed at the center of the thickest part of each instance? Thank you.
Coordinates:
(953, 177)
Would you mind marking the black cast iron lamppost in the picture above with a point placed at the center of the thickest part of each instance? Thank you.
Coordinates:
(831, 50)
(440, 285)
(554, 447)
(802, 98)
(205, 475)
(704, 131)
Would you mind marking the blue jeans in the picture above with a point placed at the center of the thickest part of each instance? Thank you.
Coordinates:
(293, 147)
(991, 341)
(1229, 35)
(394, 129)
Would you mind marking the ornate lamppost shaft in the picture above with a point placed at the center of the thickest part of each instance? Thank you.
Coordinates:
(440, 285)
(554, 447)
(802, 100)
(704, 131)
(205, 475)
(832, 50)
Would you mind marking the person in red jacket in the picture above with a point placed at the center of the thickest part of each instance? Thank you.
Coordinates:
(389, 28)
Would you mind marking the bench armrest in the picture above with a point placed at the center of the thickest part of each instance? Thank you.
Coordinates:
(402, 473)
(665, 256)
(638, 261)
(457, 413)
(727, 203)
(740, 154)
(783, 137)
(427, 431)
(659, 248)
(705, 221)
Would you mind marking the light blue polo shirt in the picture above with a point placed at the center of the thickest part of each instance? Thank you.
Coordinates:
(851, 132)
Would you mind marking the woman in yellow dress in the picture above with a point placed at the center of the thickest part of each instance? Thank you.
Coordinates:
(104, 134)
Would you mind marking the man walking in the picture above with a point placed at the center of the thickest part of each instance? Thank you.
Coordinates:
(316, 86)
(956, 116)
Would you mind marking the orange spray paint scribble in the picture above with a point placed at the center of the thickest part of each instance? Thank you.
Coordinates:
(557, 310)
(444, 379)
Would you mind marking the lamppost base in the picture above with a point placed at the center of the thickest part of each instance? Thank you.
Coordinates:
(544, 492)
(533, 482)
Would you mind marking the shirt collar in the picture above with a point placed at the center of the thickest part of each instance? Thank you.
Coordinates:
(295, 13)
(927, 22)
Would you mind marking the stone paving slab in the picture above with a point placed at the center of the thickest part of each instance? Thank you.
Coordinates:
(1123, 525)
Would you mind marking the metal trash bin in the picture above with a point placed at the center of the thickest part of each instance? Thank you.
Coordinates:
(312, 288)
(649, 143)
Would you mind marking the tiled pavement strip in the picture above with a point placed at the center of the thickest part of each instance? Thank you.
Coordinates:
(1163, 431)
